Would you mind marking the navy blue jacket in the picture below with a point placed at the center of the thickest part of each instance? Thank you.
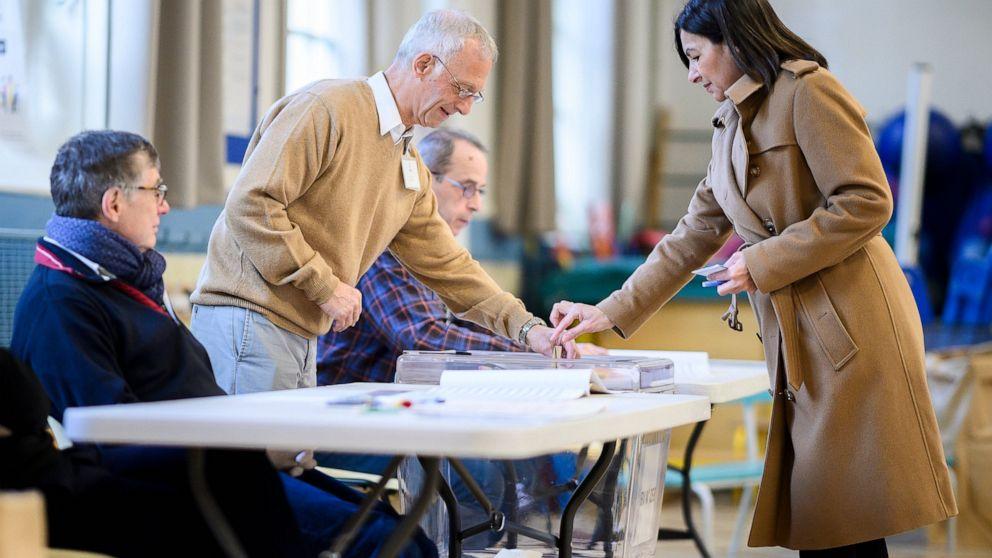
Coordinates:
(91, 343)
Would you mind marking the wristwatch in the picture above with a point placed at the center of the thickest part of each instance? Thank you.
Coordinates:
(525, 329)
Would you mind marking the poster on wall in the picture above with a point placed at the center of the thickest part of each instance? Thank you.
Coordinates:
(43, 73)
(13, 83)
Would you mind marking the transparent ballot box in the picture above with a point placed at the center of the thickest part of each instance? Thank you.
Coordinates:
(619, 373)
(540, 503)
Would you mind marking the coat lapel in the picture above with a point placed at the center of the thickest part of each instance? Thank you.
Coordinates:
(728, 176)
(730, 151)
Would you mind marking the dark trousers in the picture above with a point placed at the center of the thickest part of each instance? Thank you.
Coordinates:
(868, 549)
(138, 503)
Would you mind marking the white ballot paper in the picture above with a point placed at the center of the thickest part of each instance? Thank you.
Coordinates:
(709, 270)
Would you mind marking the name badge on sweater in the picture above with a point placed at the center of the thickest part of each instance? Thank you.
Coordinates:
(411, 175)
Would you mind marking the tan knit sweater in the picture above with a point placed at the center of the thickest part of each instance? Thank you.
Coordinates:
(320, 196)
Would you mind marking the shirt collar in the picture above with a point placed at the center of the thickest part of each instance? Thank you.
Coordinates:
(96, 268)
(385, 105)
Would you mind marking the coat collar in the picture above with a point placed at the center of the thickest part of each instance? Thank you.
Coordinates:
(746, 86)
(742, 89)
(49, 253)
(736, 94)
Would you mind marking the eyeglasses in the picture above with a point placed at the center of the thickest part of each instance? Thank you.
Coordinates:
(463, 92)
(160, 191)
(468, 190)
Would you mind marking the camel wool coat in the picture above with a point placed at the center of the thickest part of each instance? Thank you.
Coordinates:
(854, 452)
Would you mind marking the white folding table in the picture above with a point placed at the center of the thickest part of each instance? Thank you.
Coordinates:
(304, 418)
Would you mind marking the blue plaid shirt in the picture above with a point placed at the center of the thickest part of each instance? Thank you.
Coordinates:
(398, 313)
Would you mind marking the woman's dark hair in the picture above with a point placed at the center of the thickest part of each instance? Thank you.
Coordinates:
(757, 38)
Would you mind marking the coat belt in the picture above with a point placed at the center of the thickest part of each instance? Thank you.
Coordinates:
(785, 304)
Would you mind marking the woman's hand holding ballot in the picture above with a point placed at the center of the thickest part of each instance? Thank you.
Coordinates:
(735, 278)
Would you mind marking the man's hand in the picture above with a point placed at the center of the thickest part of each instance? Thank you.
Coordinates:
(344, 307)
(590, 320)
(539, 339)
(292, 462)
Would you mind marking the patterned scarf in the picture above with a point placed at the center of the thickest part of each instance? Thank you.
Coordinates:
(120, 256)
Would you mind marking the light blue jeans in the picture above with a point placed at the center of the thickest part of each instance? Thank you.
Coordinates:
(250, 354)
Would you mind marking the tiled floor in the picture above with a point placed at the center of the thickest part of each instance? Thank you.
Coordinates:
(912, 545)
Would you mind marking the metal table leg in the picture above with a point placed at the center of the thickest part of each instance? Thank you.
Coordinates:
(354, 523)
(580, 495)
(500, 523)
(690, 531)
(512, 498)
(603, 531)
(212, 514)
(395, 543)
(496, 519)
(454, 518)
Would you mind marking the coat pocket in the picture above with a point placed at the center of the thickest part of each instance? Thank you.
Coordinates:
(829, 331)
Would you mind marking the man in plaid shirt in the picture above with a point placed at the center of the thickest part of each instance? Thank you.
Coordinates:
(400, 313)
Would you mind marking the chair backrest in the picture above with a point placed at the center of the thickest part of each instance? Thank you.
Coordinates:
(16, 264)
(751, 433)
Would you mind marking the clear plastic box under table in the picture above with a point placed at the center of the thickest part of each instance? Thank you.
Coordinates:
(528, 499)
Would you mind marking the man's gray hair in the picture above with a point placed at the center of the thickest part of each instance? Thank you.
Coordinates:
(436, 147)
(92, 162)
(443, 33)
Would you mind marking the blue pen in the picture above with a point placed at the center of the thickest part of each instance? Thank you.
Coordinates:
(350, 400)
(712, 283)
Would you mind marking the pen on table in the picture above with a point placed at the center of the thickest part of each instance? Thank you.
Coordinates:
(350, 401)
(391, 403)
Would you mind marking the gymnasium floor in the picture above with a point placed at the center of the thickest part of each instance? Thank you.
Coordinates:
(911, 545)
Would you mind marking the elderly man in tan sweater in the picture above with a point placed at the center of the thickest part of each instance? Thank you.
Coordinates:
(330, 180)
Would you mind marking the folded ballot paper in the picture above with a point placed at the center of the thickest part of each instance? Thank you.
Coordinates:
(532, 393)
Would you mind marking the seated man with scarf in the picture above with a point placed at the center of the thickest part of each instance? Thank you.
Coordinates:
(96, 327)
(95, 507)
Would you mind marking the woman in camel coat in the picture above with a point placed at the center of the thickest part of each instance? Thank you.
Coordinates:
(854, 454)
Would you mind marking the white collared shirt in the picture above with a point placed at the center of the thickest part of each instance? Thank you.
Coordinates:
(385, 105)
(92, 265)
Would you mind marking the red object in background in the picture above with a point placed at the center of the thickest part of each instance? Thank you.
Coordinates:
(646, 239)
(602, 231)
(562, 253)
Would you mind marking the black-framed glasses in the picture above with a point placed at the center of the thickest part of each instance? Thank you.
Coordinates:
(161, 190)
(463, 92)
(468, 190)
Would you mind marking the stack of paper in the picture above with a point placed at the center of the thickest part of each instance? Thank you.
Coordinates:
(536, 393)
(550, 384)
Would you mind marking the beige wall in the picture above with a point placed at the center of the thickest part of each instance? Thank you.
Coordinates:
(870, 46)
